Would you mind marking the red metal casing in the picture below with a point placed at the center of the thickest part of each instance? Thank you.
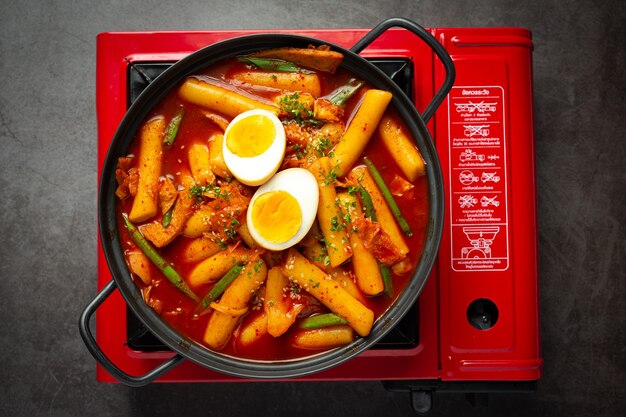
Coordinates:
(449, 348)
(484, 137)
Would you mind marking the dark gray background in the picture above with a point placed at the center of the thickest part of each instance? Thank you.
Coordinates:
(48, 205)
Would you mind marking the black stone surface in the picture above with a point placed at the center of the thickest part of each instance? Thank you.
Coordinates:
(48, 206)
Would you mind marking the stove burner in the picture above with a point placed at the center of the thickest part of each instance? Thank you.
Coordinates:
(406, 333)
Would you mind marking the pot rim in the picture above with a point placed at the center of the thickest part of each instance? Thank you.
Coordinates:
(107, 213)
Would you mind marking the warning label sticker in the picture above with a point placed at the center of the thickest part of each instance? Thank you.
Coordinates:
(478, 184)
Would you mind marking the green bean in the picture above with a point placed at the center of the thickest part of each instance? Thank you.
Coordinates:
(388, 197)
(272, 64)
(343, 93)
(322, 320)
(172, 128)
(167, 217)
(368, 206)
(165, 267)
(385, 272)
(220, 286)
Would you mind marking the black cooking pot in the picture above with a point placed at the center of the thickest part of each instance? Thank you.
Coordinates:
(189, 349)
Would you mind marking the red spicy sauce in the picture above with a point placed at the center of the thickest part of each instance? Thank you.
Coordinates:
(177, 309)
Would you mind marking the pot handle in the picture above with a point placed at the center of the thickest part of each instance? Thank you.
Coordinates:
(96, 352)
(430, 41)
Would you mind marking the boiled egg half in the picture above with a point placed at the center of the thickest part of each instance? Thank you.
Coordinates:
(254, 146)
(283, 209)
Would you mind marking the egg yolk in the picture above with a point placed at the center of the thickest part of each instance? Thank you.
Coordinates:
(276, 216)
(251, 136)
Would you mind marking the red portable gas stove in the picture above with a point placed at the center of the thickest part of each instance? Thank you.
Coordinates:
(475, 327)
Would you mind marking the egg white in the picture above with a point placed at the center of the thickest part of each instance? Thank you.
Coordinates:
(301, 184)
(256, 170)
